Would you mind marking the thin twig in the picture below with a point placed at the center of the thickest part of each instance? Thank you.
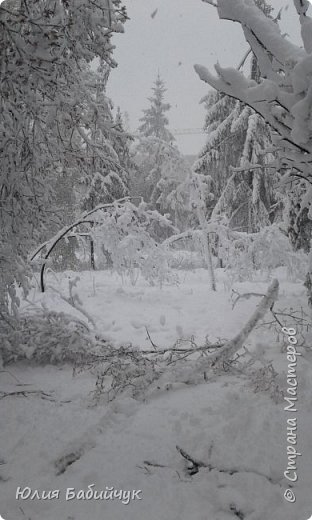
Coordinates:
(244, 296)
(154, 464)
(149, 337)
(25, 393)
(12, 375)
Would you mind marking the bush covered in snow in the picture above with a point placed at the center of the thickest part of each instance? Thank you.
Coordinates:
(45, 337)
(129, 234)
(263, 252)
(185, 260)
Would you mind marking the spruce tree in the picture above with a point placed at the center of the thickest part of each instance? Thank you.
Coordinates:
(154, 120)
(161, 167)
(237, 138)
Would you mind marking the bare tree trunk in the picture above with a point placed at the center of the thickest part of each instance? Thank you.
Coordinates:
(208, 258)
(207, 249)
(92, 254)
(308, 280)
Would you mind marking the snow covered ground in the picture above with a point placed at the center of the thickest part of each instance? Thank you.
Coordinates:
(56, 440)
(122, 312)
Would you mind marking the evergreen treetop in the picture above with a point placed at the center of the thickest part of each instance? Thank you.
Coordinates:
(154, 120)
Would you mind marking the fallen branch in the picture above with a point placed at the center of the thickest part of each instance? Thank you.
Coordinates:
(293, 315)
(25, 393)
(119, 369)
(195, 465)
(235, 344)
(184, 352)
(154, 464)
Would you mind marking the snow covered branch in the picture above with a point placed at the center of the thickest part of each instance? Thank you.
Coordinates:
(126, 231)
(52, 243)
(235, 344)
(284, 96)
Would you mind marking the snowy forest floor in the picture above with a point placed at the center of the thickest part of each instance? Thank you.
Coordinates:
(52, 438)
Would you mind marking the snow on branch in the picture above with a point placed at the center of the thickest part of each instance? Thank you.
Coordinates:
(284, 95)
(264, 30)
(126, 231)
(235, 344)
(211, 2)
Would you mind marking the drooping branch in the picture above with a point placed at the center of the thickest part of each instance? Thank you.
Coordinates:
(84, 219)
(282, 97)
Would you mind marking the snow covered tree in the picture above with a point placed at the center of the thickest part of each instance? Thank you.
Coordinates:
(161, 167)
(171, 193)
(222, 146)
(297, 223)
(104, 177)
(154, 142)
(238, 137)
(45, 48)
(154, 120)
(122, 141)
(283, 94)
(200, 193)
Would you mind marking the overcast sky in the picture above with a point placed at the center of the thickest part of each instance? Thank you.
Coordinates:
(180, 34)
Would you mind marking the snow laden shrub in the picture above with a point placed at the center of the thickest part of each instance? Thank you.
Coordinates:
(186, 260)
(128, 234)
(261, 376)
(14, 274)
(263, 252)
(239, 263)
(267, 380)
(272, 249)
(46, 337)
